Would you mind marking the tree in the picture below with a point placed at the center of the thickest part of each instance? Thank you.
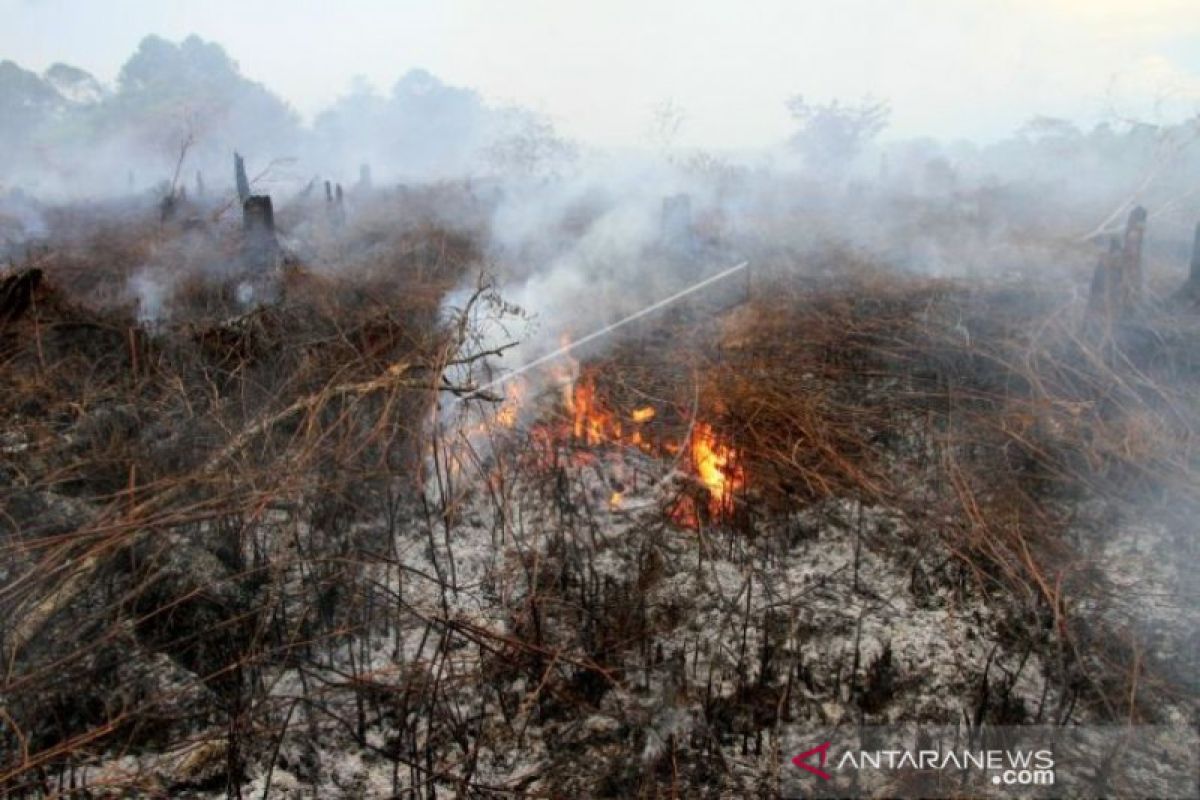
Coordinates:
(667, 119)
(832, 135)
(529, 147)
(26, 102)
(167, 91)
(424, 128)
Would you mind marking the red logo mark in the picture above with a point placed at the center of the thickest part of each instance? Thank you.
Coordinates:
(801, 760)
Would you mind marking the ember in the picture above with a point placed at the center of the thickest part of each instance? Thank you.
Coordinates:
(642, 414)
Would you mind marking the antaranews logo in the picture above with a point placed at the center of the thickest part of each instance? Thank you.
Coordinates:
(950, 761)
(1008, 767)
(801, 760)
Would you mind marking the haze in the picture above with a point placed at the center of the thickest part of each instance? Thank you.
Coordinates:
(949, 69)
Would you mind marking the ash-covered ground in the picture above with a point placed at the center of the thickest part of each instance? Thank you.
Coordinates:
(298, 533)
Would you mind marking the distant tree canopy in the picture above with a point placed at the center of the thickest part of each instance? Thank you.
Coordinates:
(172, 90)
(26, 102)
(527, 146)
(831, 135)
(62, 130)
(67, 130)
(422, 127)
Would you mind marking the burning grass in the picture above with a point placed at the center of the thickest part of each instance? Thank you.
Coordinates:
(239, 554)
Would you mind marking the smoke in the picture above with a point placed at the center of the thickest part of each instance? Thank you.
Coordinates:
(21, 222)
(577, 236)
(150, 293)
(574, 238)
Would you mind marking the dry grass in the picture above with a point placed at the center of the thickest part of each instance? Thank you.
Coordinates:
(203, 499)
(149, 472)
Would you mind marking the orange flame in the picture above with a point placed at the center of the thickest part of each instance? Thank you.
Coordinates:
(716, 465)
(509, 411)
(591, 422)
(644, 414)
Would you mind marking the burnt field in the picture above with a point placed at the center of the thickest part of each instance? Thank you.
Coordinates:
(281, 515)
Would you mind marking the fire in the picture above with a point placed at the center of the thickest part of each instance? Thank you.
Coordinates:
(713, 462)
(586, 423)
(716, 466)
(644, 414)
(509, 411)
(507, 416)
(590, 424)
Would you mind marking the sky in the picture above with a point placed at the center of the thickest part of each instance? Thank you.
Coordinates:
(949, 68)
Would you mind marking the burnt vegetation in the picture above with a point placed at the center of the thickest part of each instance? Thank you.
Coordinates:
(239, 541)
(275, 521)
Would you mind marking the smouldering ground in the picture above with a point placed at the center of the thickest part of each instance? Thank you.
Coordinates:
(276, 548)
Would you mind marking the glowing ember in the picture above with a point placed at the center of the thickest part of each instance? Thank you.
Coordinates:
(507, 414)
(642, 414)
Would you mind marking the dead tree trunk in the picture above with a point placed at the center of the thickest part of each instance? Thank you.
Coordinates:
(168, 207)
(1194, 272)
(260, 248)
(677, 220)
(1101, 304)
(16, 294)
(1190, 291)
(1117, 285)
(339, 207)
(239, 175)
(1131, 259)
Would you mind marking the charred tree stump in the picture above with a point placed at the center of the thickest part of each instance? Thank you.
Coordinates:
(1189, 293)
(239, 176)
(260, 247)
(261, 253)
(168, 207)
(1117, 285)
(1131, 258)
(16, 294)
(339, 207)
(1194, 269)
(677, 221)
(171, 204)
(335, 204)
(1101, 302)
